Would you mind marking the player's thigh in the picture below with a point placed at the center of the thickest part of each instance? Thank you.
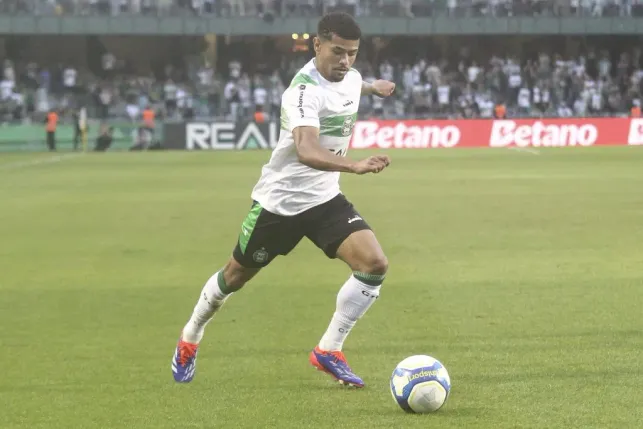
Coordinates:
(264, 236)
(341, 232)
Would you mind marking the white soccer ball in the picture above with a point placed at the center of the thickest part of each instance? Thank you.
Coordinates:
(420, 384)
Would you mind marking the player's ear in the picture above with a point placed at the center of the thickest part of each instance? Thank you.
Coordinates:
(317, 44)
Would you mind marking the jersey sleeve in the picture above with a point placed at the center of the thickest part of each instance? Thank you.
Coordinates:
(301, 105)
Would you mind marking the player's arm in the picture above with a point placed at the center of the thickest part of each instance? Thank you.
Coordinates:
(367, 88)
(312, 154)
(302, 105)
(380, 88)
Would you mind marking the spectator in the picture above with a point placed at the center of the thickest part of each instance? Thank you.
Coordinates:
(51, 123)
(260, 95)
(104, 140)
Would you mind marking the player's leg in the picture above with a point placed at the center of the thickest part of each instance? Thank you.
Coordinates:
(363, 254)
(263, 236)
(345, 235)
(214, 294)
(232, 277)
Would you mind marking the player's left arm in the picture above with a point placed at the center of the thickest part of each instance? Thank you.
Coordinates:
(379, 88)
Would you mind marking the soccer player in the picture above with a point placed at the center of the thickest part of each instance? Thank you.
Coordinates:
(298, 196)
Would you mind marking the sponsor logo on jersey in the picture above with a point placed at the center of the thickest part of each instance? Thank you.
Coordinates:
(300, 106)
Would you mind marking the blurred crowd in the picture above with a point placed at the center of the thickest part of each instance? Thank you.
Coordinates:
(587, 85)
(271, 8)
(596, 83)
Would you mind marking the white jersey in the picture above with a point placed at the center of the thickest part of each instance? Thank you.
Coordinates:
(524, 98)
(443, 94)
(288, 187)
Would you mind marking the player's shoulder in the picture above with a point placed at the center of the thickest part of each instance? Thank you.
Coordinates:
(307, 75)
(302, 93)
(354, 73)
(305, 84)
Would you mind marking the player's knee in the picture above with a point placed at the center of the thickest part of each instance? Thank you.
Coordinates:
(376, 264)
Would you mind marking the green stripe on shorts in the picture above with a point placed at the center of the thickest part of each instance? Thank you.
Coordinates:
(248, 226)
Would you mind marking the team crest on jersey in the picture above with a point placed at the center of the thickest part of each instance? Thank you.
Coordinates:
(347, 128)
(260, 256)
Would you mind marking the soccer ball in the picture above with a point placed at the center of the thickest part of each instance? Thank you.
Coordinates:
(420, 384)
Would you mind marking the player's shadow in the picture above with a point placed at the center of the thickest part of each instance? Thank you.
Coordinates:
(447, 412)
(331, 386)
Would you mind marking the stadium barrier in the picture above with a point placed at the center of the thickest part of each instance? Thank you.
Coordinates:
(497, 133)
(408, 134)
(31, 137)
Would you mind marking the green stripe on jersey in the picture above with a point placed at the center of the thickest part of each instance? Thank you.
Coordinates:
(303, 79)
(337, 126)
(248, 226)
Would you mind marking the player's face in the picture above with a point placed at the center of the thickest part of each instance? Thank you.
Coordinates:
(335, 56)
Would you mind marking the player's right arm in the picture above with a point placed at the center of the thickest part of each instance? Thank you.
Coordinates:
(302, 105)
(312, 154)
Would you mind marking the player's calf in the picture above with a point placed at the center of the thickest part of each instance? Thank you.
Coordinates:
(213, 295)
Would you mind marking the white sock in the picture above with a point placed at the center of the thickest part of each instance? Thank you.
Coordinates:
(353, 299)
(210, 301)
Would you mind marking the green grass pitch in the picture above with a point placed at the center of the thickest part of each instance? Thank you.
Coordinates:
(521, 272)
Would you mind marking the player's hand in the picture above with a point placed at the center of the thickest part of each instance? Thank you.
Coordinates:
(372, 164)
(383, 88)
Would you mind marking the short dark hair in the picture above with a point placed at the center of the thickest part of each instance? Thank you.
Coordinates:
(339, 23)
